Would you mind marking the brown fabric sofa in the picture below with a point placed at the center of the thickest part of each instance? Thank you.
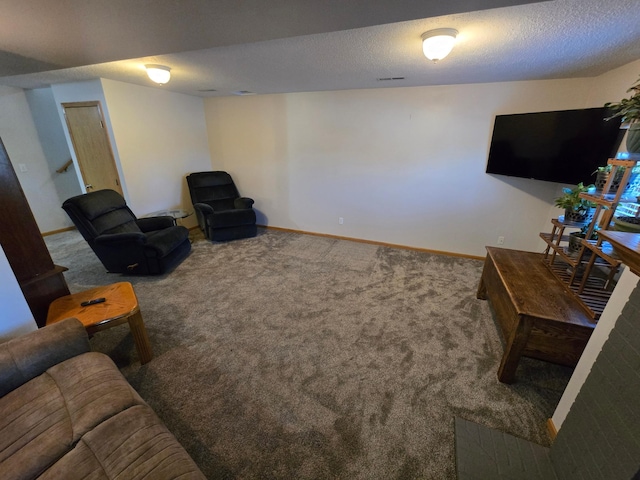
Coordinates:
(68, 413)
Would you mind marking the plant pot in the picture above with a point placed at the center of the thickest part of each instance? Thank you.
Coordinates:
(601, 180)
(626, 224)
(633, 139)
(579, 216)
(575, 244)
(575, 241)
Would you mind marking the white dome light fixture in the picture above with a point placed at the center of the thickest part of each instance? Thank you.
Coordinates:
(158, 73)
(438, 43)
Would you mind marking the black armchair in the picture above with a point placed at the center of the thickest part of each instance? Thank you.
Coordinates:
(123, 243)
(222, 213)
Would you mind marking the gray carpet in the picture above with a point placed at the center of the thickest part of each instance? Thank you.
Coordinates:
(297, 356)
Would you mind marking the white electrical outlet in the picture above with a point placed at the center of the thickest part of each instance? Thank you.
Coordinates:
(340, 220)
(500, 240)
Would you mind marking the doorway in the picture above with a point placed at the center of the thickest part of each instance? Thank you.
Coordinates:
(92, 146)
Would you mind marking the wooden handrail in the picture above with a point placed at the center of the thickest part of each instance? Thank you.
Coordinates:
(64, 168)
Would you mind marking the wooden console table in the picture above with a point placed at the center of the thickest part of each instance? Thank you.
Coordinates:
(537, 316)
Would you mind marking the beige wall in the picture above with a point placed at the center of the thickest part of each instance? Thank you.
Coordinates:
(16, 318)
(20, 136)
(400, 165)
(161, 137)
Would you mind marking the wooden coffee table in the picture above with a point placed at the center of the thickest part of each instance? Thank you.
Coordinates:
(538, 317)
(120, 306)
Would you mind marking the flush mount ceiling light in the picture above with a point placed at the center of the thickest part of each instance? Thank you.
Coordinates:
(438, 43)
(158, 73)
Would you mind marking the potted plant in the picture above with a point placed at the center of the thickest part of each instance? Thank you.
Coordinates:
(626, 224)
(575, 238)
(629, 111)
(602, 174)
(576, 209)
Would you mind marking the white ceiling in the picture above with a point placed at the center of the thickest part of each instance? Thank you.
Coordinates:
(311, 45)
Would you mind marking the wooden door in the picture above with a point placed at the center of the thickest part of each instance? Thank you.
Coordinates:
(91, 144)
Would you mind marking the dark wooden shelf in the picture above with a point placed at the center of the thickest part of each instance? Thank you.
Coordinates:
(621, 163)
(608, 200)
(56, 270)
(592, 287)
(593, 297)
(561, 222)
(573, 258)
(604, 251)
(40, 280)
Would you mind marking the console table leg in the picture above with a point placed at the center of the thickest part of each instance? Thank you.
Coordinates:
(513, 349)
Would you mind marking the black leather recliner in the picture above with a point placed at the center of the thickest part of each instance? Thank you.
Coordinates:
(222, 213)
(123, 243)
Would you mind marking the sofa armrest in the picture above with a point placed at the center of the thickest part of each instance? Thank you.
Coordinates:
(149, 224)
(203, 208)
(243, 202)
(30, 355)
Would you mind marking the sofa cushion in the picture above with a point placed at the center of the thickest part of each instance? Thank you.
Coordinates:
(34, 429)
(44, 418)
(93, 389)
(132, 444)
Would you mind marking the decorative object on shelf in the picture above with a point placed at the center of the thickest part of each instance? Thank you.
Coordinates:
(576, 209)
(629, 111)
(626, 224)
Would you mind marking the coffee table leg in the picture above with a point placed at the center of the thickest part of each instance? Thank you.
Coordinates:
(482, 287)
(140, 337)
(513, 349)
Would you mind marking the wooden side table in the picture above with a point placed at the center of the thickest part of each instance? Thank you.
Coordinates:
(120, 306)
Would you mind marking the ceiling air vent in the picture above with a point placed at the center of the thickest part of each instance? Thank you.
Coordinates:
(390, 79)
(207, 90)
(243, 92)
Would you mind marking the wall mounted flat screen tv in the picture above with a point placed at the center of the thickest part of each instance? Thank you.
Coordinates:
(564, 146)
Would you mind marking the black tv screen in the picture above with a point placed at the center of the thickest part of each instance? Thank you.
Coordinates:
(564, 146)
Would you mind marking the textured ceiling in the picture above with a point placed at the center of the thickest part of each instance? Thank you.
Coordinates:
(555, 39)
(72, 33)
